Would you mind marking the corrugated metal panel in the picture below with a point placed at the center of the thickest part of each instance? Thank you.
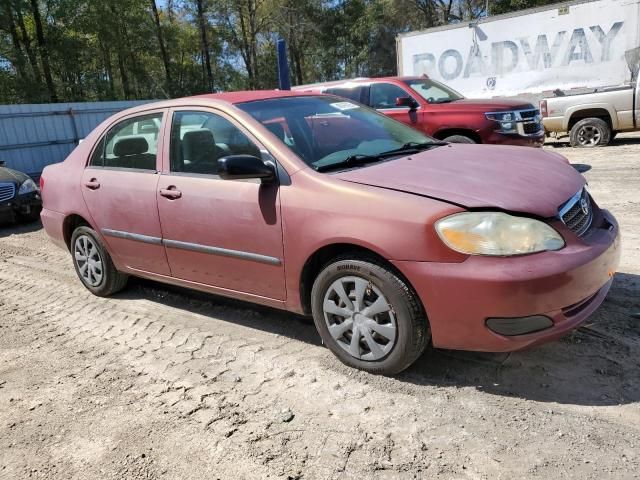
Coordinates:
(34, 136)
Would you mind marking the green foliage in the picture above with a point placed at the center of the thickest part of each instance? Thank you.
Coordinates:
(134, 49)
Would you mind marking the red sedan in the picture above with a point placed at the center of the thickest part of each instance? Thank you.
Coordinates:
(321, 206)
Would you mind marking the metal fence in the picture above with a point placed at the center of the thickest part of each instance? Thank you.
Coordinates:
(34, 136)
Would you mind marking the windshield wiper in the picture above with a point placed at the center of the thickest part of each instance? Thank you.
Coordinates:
(350, 161)
(413, 147)
(361, 159)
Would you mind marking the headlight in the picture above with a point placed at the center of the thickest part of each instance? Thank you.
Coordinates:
(27, 186)
(498, 234)
(507, 121)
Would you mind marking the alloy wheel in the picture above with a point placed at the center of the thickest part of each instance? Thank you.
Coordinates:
(360, 318)
(589, 136)
(88, 260)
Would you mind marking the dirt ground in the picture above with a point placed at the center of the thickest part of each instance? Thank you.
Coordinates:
(159, 382)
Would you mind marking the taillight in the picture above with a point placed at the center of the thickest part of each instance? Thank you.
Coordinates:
(41, 183)
(543, 108)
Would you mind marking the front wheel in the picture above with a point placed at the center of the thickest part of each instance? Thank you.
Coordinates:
(94, 265)
(459, 139)
(368, 316)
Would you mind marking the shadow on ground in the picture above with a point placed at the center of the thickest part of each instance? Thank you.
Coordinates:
(563, 142)
(8, 227)
(596, 365)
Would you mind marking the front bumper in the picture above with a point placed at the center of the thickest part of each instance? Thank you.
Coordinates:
(566, 286)
(21, 205)
(498, 138)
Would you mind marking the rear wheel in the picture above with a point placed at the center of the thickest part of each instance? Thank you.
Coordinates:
(459, 139)
(369, 317)
(589, 133)
(94, 265)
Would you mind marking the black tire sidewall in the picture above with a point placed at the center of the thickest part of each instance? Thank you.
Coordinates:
(601, 125)
(459, 139)
(396, 293)
(106, 260)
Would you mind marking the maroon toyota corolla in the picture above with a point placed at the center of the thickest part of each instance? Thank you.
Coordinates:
(322, 206)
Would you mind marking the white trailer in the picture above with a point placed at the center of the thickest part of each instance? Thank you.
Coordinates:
(570, 45)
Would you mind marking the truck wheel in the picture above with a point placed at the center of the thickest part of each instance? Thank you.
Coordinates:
(590, 132)
(367, 316)
(94, 265)
(459, 139)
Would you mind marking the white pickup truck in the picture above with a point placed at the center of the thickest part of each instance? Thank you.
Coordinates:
(594, 118)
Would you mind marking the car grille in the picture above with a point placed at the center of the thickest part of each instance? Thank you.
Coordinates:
(530, 128)
(577, 213)
(7, 191)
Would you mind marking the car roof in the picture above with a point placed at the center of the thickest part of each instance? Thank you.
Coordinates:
(351, 82)
(229, 98)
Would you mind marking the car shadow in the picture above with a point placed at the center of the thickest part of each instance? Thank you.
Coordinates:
(8, 228)
(227, 309)
(596, 365)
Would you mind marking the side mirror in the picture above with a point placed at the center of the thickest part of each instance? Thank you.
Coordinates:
(236, 167)
(406, 102)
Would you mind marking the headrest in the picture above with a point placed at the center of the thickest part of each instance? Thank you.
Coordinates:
(199, 137)
(276, 128)
(130, 146)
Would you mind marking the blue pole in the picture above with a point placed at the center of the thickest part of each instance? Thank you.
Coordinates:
(283, 66)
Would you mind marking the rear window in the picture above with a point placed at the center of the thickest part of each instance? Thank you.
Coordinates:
(356, 94)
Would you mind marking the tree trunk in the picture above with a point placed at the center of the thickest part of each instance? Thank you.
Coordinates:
(163, 50)
(15, 40)
(26, 41)
(44, 54)
(205, 45)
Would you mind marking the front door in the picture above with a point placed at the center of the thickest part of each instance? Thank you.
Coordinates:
(119, 188)
(223, 233)
(382, 97)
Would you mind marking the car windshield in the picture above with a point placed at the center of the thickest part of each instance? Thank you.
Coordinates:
(325, 130)
(432, 91)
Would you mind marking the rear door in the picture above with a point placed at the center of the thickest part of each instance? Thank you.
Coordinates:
(222, 233)
(119, 187)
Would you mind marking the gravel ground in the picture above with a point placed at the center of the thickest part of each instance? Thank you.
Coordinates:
(159, 382)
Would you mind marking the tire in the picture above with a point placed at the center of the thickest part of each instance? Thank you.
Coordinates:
(402, 329)
(459, 139)
(589, 133)
(32, 216)
(104, 280)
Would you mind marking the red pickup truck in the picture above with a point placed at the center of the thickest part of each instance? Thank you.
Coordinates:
(442, 112)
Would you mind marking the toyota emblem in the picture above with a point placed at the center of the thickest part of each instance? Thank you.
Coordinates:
(584, 204)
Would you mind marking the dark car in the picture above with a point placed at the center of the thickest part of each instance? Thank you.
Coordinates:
(19, 196)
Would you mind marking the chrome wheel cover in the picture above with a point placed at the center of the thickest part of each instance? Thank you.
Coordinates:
(589, 136)
(360, 318)
(88, 260)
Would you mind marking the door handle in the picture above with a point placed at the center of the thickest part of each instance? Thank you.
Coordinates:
(92, 184)
(171, 193)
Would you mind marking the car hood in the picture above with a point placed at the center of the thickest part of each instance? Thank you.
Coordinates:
(10, 175)
(489, 105)
(516, 179)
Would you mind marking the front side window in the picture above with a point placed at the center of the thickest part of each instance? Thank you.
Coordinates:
(325, 130)
(199, 139)
(432, 91)
(384, 95)
(132, 143)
